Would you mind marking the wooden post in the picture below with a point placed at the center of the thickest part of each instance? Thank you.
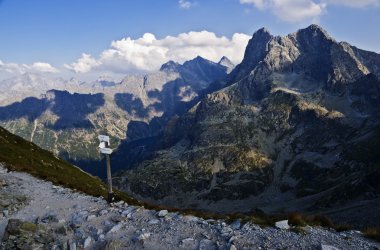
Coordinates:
(109, 177)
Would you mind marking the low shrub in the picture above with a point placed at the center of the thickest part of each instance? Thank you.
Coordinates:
(372, 233)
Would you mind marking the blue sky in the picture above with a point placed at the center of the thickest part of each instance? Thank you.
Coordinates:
(59, 32)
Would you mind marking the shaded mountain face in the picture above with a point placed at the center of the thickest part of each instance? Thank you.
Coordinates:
(65, 116)
(58, 121)
(296, 128)
(199, 70)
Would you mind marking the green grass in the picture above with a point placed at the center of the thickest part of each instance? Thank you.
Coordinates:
(299, 230)
(372, 233)
(301, 220)
(20, 155)
(297, 219)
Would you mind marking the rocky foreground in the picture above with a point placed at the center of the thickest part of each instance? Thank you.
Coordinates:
(38, 215)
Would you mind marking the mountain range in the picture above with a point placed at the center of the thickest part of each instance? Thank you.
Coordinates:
(294, 127)
(65, 116)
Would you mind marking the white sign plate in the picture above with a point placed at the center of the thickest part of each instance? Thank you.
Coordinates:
(104, 138)
(102, 144)
(106, 151)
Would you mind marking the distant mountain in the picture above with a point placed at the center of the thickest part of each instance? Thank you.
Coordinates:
(294, 127)
(26, 85)
(65, 116)
(224, 61)
(200, 70)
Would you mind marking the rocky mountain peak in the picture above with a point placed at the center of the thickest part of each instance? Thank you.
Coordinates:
(255, 52)
(314, 38)
(261, 36)
(224, 61)
(316, 30)
(197, 61)
(310, 52)
(224, 58)
(262, 30)
(170, 66)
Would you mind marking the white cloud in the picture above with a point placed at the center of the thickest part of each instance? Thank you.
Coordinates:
(304, 10)
(43, 67)
(84, 64)
(355, 3)
(183, 4)
(148, 53)
(37, 67)
(290, 10)
(260, 4)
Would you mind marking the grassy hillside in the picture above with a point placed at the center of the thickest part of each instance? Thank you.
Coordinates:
(18, 154)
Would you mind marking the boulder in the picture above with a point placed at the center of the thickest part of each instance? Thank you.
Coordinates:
(328, 247)
(163, 213)
(87, 242)
(236, 225)
(5, 213)
(91, 217)
(72, 246)
(188, 243)
(103, 212)
(190, 218)
(116, 218)
(153, 222)
(282, 224)
(26, 235)
(115, 228)
(49, 217)
(143, 236)
(110, 245)
(206, 244)
(232, 247)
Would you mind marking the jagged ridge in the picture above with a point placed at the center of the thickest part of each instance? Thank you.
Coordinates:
(280, 137)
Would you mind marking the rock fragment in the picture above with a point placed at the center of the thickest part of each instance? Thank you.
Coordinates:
(282, 224)
(163, 213)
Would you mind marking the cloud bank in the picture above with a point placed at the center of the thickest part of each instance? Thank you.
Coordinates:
(289, 10)
(148, 53)
(304, 10)
(37, 67)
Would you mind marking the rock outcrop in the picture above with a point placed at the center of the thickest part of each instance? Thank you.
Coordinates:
(295, 128)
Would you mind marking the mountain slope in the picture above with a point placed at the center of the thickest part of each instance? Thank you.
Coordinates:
(287, 133)
(87, 222)
(17, 154)
(66, 116)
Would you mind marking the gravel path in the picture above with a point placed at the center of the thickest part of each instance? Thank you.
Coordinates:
(77, 221)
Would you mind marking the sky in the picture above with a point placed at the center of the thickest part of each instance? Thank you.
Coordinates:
(89, 38)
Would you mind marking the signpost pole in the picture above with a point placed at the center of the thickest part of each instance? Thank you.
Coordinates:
(109, 177)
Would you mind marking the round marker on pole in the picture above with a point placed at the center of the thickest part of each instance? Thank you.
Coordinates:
(104, 149)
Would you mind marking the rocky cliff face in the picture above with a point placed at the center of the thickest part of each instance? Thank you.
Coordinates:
(295, 128)
(65, 116)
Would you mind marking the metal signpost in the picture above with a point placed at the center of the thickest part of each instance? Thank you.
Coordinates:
(103, 146)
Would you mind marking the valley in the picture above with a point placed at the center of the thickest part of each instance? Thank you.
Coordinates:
(67, 118)
(293, 127)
